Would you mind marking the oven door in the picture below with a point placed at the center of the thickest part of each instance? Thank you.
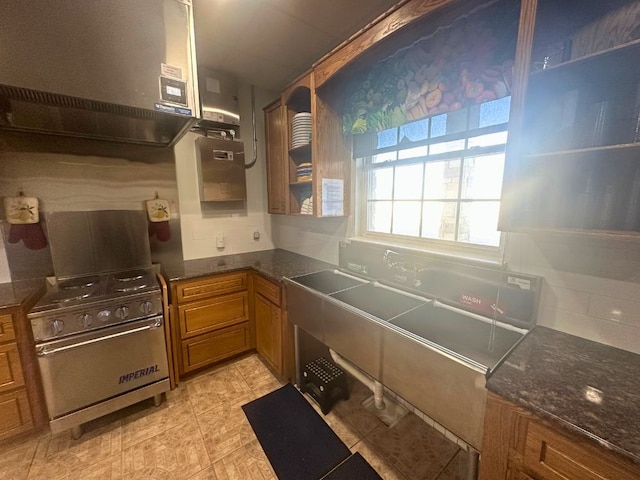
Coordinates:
(86, 369)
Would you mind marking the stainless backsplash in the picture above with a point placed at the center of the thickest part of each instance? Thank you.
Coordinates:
(98, 241)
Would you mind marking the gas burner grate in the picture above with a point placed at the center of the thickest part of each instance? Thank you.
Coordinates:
(132, 288)
(64, 297)
(129, 276)
(78, 283)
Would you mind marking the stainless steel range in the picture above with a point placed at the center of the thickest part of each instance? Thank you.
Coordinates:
(100, 339)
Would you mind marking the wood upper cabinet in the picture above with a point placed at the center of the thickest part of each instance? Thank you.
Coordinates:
(277, 178)
(305, 148)
(519, 446)
(573, 153)
(210, 320)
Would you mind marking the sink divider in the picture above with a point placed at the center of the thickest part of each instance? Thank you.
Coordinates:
(481, 318)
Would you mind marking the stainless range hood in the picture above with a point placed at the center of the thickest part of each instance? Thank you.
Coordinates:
(119, 70)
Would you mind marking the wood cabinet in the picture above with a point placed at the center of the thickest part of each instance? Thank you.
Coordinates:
(298, 167)
(269, 322)
(277, 178)
(572, 161)
(210, 320)
(517, 445)
(15, 409)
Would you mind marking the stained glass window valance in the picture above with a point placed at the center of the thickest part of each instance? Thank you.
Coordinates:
(468, 62)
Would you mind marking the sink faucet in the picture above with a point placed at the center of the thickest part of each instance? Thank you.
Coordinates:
(392, 258)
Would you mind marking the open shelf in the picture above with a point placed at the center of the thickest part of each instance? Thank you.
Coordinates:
(612, 59)
(613, 152)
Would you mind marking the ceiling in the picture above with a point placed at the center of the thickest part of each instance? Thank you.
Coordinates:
(268, 43)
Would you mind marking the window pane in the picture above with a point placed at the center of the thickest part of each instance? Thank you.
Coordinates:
(413, 152)
(479, 223)
(441, 179)
(439, 220)
(387, 138)
(406, 218)
(495, 112)
(445, 147)
(488, 140)
(439, 125)
(379, 217)
(408, 182)
(384, 157)
(381, 184)
(482, 177)
(414, 131)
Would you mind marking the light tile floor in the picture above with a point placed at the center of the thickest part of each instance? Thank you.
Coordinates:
(200, 433)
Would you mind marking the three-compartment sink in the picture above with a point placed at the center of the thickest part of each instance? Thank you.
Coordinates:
(435, 358)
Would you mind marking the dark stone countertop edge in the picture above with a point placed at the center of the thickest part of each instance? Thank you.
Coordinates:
(517, 386)
(16, 294)
(274, 264)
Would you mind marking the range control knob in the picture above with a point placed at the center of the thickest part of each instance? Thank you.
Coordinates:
(146, 307)
(122, 312)
(57, 326)
(104, 315)
(85, 320)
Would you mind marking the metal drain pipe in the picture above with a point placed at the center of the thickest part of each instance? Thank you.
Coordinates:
(375, 386)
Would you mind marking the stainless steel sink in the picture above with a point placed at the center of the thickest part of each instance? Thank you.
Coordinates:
(468, 337)
(328, 281)
(434, 358)
(379, 301)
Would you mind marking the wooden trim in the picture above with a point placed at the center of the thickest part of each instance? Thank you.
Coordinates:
(391, 22)
(166, 313)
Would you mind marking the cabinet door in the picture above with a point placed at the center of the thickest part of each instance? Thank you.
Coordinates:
(554, 457)
(191, 290)
(15, 414)
(6, 328)
(276, 159)
(206, 315)
(10, 369)
(205, 349)
(269, 332)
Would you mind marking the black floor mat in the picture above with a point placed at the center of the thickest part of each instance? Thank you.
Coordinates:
(297, 442)
(353, 468)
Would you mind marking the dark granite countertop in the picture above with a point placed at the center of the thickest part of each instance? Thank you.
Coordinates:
(275, 264)
(14, 294)
(586, 387)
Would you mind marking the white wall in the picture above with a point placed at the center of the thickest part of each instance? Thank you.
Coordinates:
(201, 223)
(314, 237)
(592, 285)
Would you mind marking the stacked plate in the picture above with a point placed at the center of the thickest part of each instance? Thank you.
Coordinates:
(303, 172)
(300, 129)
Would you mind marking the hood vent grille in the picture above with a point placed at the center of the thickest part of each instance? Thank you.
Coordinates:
(27, 110)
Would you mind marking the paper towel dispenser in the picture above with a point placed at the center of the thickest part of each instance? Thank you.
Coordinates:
(221, 170)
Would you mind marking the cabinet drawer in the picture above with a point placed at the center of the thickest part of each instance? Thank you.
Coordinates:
(212, 347)
(269, 290)
(209, 286)
(6, 329)
(200, 317)
(555, 457)
(15, 414)
(10, 369)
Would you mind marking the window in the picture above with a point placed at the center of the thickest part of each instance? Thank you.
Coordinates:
(438, 178)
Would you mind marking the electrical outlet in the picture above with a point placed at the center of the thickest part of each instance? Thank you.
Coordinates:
(256, 235)
(220, 240)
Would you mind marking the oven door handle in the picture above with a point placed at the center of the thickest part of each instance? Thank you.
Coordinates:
(44, 351)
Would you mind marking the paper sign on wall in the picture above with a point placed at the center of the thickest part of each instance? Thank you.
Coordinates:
(332, 197)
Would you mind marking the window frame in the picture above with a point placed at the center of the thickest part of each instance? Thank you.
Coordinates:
(365, 164)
